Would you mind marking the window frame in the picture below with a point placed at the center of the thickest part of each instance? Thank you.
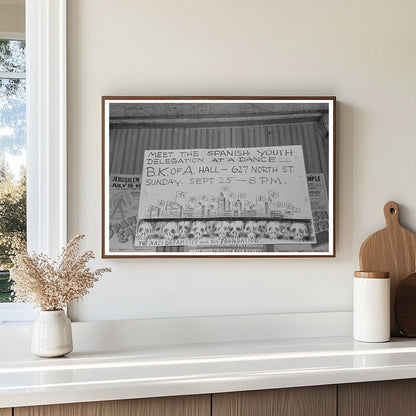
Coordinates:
(46, 125)
(46, 122)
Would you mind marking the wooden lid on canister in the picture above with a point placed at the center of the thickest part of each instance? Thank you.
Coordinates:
(372, 275)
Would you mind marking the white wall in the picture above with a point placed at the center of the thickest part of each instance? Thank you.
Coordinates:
(361, 51)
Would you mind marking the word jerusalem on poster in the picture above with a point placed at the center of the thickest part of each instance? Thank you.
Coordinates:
(218, 176)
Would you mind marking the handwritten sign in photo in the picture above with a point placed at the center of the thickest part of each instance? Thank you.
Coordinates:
(225, 197)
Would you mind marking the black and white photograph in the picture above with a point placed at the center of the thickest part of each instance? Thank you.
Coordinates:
(218, 176)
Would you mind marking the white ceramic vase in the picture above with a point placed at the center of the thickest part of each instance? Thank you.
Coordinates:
(52, 334)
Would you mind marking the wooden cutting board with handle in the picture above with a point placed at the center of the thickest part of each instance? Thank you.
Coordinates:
(393, 250)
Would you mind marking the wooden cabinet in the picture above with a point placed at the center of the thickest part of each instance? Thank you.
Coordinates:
(300, 401)
(381, 398)
(163, 406)
(385, 398)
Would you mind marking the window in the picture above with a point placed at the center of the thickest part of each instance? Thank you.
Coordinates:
(46, 134)
(12, 155)
(12, 165)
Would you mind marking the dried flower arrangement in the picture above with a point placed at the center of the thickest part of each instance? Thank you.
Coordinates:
(53, 285)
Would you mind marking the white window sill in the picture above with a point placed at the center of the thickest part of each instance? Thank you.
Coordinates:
(16, 313)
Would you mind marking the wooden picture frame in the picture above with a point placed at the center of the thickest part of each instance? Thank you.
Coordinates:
(218, 176)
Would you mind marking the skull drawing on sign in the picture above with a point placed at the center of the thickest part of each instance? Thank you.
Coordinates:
(251, 230)
(144, 230)
(236, 228)
(285, 230)
(262, 228)
(198, 230)
(170, 231)
(210, 227)
(183, 228)
(273, 230)
(221, 229)
(158, 230)
(299, 231)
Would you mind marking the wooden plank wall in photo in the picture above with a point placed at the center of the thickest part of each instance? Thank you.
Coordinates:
(127, 145)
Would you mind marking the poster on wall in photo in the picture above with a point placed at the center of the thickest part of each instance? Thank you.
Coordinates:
(215, 177)
(124, 192)
(319, 204)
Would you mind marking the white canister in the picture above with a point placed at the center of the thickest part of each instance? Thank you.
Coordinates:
(371, 322)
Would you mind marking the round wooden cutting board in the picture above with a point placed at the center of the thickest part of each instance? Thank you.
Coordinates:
(393, 250)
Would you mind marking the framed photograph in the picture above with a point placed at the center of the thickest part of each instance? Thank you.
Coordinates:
(218, 176)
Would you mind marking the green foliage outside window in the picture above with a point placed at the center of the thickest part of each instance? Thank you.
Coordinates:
(12, 224)
(12, 147)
